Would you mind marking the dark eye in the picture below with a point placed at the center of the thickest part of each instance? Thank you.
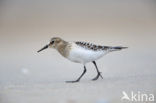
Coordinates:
(52, 42)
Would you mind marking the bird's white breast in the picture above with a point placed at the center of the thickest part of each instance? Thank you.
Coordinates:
(82, 55)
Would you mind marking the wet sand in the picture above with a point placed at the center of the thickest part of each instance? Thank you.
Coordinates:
(108, 90)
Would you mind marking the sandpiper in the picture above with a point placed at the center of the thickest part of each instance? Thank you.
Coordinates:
(81, 52)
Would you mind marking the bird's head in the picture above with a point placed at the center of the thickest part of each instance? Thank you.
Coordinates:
(54, 43)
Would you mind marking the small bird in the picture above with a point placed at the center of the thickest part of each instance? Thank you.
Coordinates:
(80, 52)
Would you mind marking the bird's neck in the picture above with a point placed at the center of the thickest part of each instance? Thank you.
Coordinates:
(61, 48)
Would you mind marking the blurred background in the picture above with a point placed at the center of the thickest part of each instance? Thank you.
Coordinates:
(27, 25)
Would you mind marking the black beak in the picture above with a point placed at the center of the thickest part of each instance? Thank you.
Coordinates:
(45, 47)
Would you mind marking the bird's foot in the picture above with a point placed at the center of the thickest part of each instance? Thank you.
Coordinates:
(99, 74)
(72, 81)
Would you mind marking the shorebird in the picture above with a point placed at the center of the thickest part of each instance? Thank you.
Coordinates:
(80, 52)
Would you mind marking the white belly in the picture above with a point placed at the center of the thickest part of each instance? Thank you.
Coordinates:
(82, 55)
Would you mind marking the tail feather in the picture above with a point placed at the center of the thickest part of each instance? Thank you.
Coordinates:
(116, 48)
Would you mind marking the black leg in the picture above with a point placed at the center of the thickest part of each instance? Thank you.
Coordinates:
(99, 73)
(84, 71)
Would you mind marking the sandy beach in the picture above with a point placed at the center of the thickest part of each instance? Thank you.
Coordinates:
(108, 90)
(30, 77)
